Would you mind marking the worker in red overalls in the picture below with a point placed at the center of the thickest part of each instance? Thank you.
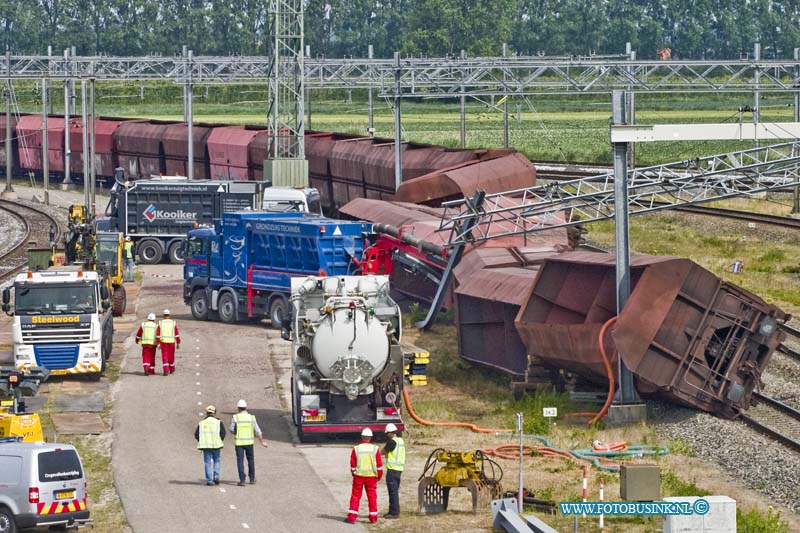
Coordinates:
(168, 339)
(367, 470)
(147, 337)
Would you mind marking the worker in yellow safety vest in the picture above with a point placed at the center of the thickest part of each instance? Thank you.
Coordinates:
(168, 339)
(245, 428)
(395, 451)
(209, 435)
(147, 337)
(127, 259)
(367, 469)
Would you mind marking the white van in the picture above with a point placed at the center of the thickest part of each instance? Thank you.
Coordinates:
(41, 484)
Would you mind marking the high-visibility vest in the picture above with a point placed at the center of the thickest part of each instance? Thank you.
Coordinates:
(245, 429)
(167, 335)
(209, 434)
(128, 248)
(148, 333)
(396, 459)
(365, 460)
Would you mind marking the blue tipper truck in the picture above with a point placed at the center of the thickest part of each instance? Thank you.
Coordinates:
(243, 268)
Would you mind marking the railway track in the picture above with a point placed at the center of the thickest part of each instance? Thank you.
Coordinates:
(36, 230)
(788, 350)
(774, 419)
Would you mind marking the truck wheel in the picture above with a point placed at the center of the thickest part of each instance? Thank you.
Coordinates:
(227, 308)
(119, 301)
(200, 305)
(277, 311)
(175, 253)
(7, 524)
(149, 252)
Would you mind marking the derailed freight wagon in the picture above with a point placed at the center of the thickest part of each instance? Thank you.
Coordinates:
(686, 335)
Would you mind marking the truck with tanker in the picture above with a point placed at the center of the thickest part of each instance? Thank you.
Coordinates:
(62, 320)
(243, 267)
(347, 364)
(157, 213)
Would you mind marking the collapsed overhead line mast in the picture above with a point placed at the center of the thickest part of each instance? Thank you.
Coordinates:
(567, 203)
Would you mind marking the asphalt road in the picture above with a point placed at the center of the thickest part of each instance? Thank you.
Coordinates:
(158, 471)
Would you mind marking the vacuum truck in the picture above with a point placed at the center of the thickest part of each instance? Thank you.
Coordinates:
(347, 367)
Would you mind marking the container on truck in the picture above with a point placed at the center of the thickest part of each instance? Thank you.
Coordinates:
(347, 365)
(62, 321)
(243, 268)
(157, 213)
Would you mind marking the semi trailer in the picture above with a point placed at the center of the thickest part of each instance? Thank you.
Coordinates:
(157, 213)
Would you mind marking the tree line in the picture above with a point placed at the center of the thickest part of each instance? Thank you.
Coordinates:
(697, 29)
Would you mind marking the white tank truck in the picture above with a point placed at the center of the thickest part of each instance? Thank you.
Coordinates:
(347, 369)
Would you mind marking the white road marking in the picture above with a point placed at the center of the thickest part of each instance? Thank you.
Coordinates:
(221, 489)
(233, 507)
(197, 364)
(245, 526)
(199, 403)
(198, 383)
(199, 393)
(197, 373)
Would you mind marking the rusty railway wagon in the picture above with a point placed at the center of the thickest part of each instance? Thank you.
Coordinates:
(686, 335)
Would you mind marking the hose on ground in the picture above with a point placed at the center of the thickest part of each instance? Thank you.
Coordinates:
(422, 421)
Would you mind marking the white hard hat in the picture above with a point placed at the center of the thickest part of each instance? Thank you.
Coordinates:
(366, 432)
(390, 428)
(166, 312)
(151, 316)
(241, 404)
(127, 238)
(211, 410)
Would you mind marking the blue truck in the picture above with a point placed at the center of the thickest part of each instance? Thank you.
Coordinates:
(243, 267)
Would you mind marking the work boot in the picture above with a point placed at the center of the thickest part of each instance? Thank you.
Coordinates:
(391, 516)
(216, 482)
(146, 373)
(209, 484)
(240, 484)
(252, 481)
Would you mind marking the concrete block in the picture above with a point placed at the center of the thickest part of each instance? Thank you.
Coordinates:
(720, 518)
(640, 482)
(623, 415)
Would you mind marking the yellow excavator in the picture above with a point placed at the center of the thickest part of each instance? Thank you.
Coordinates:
(15, 385)
(102, 251)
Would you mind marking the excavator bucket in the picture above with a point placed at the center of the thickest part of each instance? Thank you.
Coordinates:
(433, 498)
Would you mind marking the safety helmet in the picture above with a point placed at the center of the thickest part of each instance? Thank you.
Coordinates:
(128, 239)
(366, 432)
(241, 404)
(151, 316)
(211, 410)
(166, 312)
(390, 428)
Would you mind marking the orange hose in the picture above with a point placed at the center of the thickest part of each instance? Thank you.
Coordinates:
(471, 427)
(610, 374)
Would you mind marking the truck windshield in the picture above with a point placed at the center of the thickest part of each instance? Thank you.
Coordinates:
(196, 246)
(54, 299)
(283, 206)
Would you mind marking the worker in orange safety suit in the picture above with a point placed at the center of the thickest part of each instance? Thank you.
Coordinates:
(367, 469)
(147, 337)
(168, 338)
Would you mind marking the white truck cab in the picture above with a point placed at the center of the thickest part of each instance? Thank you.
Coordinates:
(62, 321)
(288, 199)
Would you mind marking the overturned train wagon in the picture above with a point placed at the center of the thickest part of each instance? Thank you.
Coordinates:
(686, 335)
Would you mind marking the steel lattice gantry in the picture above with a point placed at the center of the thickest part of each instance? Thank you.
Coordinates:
(519, 75)
(654, 188)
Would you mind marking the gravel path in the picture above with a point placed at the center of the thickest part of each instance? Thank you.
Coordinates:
(758, 462)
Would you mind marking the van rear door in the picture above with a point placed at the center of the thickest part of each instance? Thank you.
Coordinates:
(61, 482)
